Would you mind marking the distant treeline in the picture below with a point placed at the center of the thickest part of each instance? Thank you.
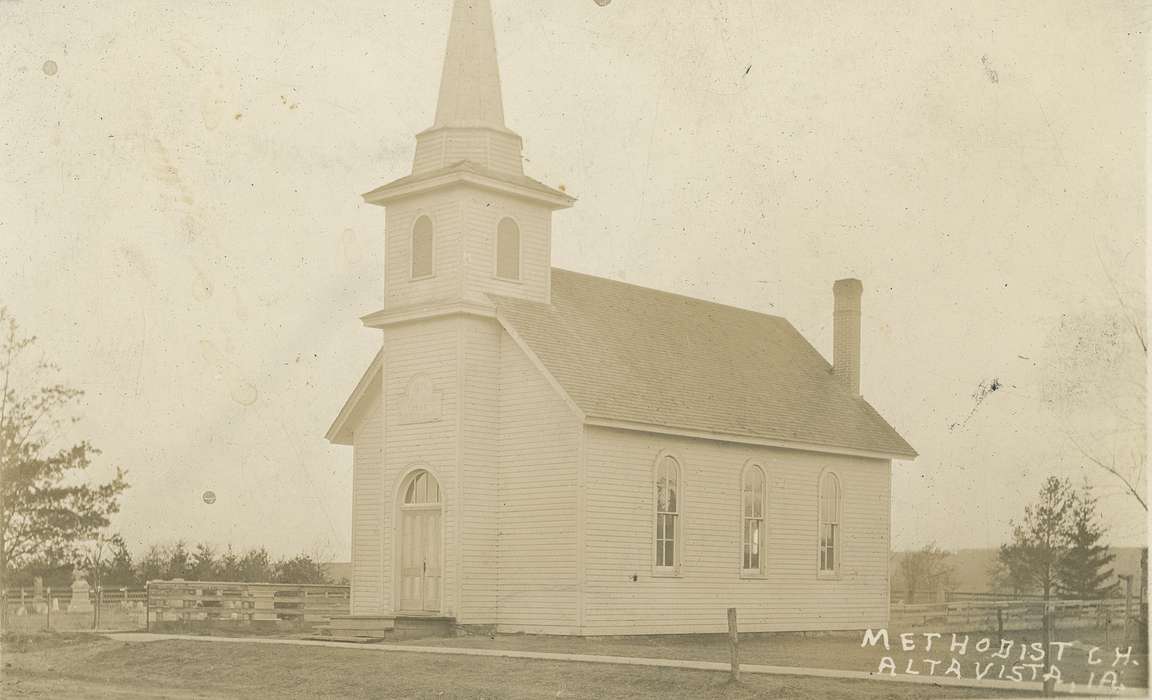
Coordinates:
(112, 565)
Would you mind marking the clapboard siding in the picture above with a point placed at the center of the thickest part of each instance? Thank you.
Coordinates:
(464, 231)
(480, 434)
(430, 348)
(790, 596)
(442, 148)
(367, 511)
(400, 290)
(482, 213)
(539, 454)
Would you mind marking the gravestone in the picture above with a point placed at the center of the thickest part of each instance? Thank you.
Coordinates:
(39, 606)
(80, 590)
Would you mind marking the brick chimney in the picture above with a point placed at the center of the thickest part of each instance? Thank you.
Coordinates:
(846, 333)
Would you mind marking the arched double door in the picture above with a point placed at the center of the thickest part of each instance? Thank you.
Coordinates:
(421, 544)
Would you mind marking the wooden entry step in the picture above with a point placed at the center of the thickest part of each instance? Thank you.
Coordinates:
(380, 627)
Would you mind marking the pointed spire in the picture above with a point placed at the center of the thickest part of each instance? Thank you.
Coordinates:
(470, 84)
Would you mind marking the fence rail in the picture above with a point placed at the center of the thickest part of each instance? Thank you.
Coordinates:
(1008, 614)
(177, 602)
(219, 601)
(62, 609)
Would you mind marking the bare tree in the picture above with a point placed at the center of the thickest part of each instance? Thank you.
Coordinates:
(1101, 359)
(927, 568)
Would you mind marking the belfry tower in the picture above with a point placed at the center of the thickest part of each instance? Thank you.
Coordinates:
(466, 221)
(424, 421)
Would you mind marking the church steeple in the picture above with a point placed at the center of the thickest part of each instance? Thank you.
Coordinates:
(467, 222)
(470, 84)
(469, 122)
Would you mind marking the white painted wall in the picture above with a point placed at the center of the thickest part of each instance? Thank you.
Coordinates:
(512, 449)
(429, 347)
(464, 223)
(482, 212)
(480, 446)
(619, 540)
(539, 460)
(367, 509)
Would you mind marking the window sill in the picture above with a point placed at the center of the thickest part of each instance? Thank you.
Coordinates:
(828, 575)
(666, 573)
(510, 280)
(421, 278)
(753, 575)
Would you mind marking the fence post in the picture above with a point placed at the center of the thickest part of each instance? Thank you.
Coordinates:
(1127, 606)
(1000, 621)
(1107, 608)
(48, 621)
(147, 606)
(263, 605)
(734, 644)
(1047, 635)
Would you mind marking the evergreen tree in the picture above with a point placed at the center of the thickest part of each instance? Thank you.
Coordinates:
(203, 566)
(1084, 571)
(1008, 572)
(179, 563)
(1040, 542)
(300, 569)
(120, 571)
(1039, 546)
(228, 566)
(154, 565)
(48, 505)
(256, 566)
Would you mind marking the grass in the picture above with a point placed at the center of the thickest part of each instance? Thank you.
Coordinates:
(841, 651)
(85, 666)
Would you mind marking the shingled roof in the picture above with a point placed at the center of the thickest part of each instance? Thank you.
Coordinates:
(630, 354)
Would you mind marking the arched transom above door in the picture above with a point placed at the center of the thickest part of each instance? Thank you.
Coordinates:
(423, 489)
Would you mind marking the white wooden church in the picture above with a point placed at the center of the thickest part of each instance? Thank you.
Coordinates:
(545, 451)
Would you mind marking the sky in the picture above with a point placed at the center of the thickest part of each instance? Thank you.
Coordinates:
(181, 223)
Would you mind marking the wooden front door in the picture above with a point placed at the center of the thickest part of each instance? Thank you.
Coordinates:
(420, 545)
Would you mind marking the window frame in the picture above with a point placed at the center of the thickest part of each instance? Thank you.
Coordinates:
(838, 538)
(762, 564)
(677, 567)
(519, 278)
(412, 479)
(412, 276)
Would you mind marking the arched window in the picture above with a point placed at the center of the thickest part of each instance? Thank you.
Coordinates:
(829, 523)
(422, 245)
(753, 519)
(422, 489)
(508, 250)
(667, 513)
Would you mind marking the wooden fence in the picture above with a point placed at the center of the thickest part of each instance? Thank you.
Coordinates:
(217, 601)
(62, 609)
(1011, 614)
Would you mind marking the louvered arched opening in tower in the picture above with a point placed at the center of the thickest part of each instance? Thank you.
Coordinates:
(422, 248)
(508, 249)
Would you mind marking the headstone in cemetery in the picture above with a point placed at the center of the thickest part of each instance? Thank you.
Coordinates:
(80, 590)
(39, 606)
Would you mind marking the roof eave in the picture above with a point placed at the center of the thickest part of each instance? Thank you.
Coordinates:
(749, 439)
(398, 189)
(340, 432)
